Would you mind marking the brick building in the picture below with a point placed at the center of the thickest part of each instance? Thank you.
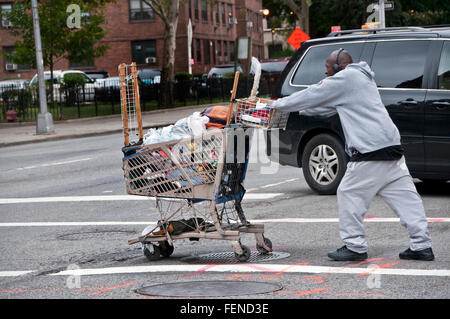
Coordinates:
(135, 33)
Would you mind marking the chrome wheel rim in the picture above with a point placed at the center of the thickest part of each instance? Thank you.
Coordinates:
(323, 164)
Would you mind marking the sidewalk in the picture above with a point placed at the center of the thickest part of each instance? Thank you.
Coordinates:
(25, 133)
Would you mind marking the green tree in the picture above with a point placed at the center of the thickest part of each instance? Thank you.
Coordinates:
(168, 11)
(60, 38)
(352, 14)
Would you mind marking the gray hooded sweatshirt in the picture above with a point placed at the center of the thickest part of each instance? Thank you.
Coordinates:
(353, 94)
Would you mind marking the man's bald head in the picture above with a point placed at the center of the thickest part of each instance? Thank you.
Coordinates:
(344, 59)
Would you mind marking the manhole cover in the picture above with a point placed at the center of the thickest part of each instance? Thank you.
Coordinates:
(111, 234)
(217, 288)
(228, 257)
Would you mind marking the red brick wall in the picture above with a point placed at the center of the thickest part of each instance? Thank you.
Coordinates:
(121, 32)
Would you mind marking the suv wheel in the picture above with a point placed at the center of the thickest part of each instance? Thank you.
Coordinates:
(324, 162)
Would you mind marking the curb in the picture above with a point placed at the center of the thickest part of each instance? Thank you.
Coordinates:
(54, 137)
(51, 137)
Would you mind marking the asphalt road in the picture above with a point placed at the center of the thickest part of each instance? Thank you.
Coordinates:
(65, 225)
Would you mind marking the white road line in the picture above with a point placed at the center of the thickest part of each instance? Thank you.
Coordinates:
(256, 196)
(336, 220)
(14, 273)
(272, 185)
(53, 224)
(255, 221)
(254, 268)
(53, 164)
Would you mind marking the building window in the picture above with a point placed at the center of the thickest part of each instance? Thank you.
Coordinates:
(217, 13)
(198, 50)
(213, 52)
(223, 13)
(230, 10)
(196, 10)
(219, 51)
(225, 52)
(140, 11)
(5, 8)
(190, 9)
(204, 11)
(206, 47)
(231, 51)
(81, 65)
(8, 64)
(142, 50)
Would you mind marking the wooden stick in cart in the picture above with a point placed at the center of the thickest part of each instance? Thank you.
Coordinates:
(123, 101)
(233, 95)
(137, 101)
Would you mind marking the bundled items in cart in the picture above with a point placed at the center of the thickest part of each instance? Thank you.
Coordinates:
(194, 125)
(257, 112)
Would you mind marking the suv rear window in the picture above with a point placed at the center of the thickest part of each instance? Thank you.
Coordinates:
(312, 67)
(400, 64)
(444, 68)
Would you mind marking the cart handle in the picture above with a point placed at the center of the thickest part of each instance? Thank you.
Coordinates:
(233, 96)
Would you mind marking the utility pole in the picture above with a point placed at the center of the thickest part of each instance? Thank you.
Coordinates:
(381, 10)
(44, 118)
(189, 35)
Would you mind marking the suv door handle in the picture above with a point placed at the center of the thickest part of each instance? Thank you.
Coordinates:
(409, 101)
(441, 105)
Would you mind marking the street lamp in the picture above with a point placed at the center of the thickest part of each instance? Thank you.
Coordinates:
(265, 12)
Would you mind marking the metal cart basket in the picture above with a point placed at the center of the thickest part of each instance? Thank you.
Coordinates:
(257, 112)
(197, 182)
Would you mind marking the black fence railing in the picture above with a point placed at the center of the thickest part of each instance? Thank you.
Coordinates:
(103, 98)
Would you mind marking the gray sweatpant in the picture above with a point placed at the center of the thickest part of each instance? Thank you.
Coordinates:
(392, 182)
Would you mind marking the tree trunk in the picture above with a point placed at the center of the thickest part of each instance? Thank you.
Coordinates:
(302, 13)
(168, 63)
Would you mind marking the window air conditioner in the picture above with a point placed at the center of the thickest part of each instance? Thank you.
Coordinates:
(232, 20)
(150, 60)
(10, 67)
(6, 24)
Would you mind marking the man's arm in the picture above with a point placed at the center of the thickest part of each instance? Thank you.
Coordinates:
(319, 98)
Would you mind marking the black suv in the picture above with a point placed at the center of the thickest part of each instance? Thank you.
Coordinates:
(412, 71)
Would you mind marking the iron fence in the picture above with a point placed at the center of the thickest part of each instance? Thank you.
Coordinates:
(103, 98)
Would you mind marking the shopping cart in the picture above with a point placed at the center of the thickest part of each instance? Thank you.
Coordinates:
(197, 181)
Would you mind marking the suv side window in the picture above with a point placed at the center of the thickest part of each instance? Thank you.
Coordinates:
(444, 68)
(312, 68)
(400, 64)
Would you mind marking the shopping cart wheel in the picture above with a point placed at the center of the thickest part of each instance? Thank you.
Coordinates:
(165, 248)
(245, 255)
(263, 250)
(152, 252)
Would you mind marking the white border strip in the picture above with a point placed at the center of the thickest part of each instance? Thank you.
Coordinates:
(28, 200)
(254, 268)
(255, 221)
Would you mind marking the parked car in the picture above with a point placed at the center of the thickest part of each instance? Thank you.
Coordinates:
(97, 75)
(108, 89)
(149, 76)
(86, 93)
(270, 74)
(8, 85)
(14, 84)
(200, 85)
(14, 98)
(218, 71)
(412, 71)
